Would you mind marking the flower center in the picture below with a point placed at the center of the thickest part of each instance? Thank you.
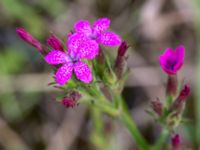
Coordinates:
(170, 64)
(93, 36)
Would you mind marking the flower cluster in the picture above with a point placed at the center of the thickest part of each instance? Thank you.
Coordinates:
(82, 45)
(169, 113)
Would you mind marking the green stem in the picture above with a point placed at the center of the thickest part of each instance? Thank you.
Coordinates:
(162, 139)
(97, 136)
(128, 121)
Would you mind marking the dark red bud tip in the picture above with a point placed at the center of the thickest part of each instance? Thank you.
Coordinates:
(27, 37)
(185, 91)
(68, 102)
(122, 48)
(176, 141)
(55, 43)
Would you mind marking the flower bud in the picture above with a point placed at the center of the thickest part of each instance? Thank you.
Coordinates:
(178, 103)
(122, 48)
(27, 37)
(157, 106)
(176, 142)
(55, 43)
(71, 100)
(119, 63)
(68, 102)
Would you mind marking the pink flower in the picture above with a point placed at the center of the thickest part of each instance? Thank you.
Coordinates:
(55, 42)
(97, 31)
(171, 61)
(78, 48)
(27, 37)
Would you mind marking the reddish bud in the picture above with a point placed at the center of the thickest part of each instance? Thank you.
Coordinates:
(178, 103)
(157, 106)
(27, 37)
(184, 92)
(68, 102)
(176, 141)
(71, 100)
(119, 63)
(122, 48)
(55, 43)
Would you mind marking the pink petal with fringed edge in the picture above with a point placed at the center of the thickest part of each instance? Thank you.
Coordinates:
(109, 39)
(83, 72)
(74, 42)
(89, 49)
(101, 25)
(64, 73)
(180, 50)
(83, 26)
(56, 57)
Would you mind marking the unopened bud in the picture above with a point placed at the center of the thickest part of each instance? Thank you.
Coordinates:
(71, 100)
(27, 37)
(55, 43)
(68, 102)
(157, 106)
(178, 103)
(122, 48)
(119, 63)
(176, 142)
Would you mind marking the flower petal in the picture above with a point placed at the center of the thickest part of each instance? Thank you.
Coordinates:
(164, 63)
(83, 72)
(55, 57)
(74, 42)
(180, 52)
(83, 26)
(64, 73)
(109, 39)
(101, 25)
(89, 49)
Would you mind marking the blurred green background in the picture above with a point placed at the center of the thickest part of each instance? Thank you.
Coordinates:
(31, 119)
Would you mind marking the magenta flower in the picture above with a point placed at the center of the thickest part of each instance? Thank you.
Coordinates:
(78, 48)
(171, 61)
(97, 31)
